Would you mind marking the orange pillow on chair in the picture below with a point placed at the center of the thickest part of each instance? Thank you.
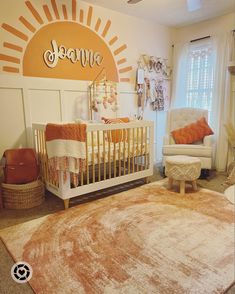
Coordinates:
(117, 135)
(193, 132)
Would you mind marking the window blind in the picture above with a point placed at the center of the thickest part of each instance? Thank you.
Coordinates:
(200, 76)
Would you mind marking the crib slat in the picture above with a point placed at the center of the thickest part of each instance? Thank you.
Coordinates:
(145, 157)
(39, 141)
(109, 154)
(104, 151)
(87, 162)
(45, 162)
(43, 158)
(133, 150)
(40, 151)
(93, 157)
(36, 134)
(129, 158)
(98, 143)
(114, 154)
(36, 140)
(119, 158)
(141, 150)
(124, 151)
(137, 150)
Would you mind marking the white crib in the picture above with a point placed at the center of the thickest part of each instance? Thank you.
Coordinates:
(107, 163)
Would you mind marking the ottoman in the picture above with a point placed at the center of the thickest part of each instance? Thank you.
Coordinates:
(183, 168)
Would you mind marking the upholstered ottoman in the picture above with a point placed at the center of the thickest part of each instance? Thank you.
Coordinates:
(183, 168)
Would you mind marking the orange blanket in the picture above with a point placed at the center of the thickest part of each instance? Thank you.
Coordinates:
(66, 132)
(66, 149)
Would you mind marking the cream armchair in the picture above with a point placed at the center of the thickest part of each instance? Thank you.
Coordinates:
(178, 118)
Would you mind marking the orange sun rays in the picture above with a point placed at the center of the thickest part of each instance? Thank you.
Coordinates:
(58, 13)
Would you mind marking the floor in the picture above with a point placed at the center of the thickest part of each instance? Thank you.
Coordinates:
(53, 204)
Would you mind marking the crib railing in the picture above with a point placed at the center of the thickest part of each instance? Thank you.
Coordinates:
(115, 153)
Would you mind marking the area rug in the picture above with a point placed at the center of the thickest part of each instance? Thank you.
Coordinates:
(145, 240)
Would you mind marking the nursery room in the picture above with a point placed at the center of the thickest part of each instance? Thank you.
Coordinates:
(117, 146)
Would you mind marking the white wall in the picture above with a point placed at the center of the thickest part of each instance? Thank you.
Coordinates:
(25, 100)
(211, 27)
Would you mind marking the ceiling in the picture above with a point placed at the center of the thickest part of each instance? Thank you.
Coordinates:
(169, 12)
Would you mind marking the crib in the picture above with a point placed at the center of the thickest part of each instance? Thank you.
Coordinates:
(108, 163)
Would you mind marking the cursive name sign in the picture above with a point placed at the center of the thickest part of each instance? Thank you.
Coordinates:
(84, 56)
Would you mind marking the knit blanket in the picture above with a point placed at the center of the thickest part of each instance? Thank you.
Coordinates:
(66, 148)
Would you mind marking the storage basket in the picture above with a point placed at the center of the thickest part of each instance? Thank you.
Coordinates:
(22, 196)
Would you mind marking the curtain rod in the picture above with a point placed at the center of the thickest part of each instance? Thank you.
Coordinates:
(200, 39)
(206, 37)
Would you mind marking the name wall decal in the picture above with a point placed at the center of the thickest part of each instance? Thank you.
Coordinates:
(64, 42)
(86, 57)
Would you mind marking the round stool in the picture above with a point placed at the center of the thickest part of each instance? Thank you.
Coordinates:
(183, 168)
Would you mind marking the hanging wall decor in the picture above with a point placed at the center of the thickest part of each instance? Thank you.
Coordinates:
(153, 75)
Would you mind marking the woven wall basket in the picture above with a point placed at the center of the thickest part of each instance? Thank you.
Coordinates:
(22, 196)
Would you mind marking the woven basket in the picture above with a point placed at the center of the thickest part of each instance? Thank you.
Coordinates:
(22, 196)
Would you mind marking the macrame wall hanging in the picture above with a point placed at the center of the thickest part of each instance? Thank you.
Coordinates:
(103, 94)
(153, 75)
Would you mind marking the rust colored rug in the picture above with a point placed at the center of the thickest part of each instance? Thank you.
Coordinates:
(145, 240)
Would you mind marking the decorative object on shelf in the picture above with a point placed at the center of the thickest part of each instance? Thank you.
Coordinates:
(152, 75)
(102, 93)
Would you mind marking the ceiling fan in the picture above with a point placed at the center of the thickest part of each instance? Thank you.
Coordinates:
(192, 5)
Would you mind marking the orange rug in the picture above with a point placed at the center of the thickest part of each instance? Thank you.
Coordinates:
(145, 240)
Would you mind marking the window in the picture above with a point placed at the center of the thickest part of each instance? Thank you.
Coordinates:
(200, 76)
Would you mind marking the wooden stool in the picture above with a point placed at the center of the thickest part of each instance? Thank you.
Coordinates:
(183, 168)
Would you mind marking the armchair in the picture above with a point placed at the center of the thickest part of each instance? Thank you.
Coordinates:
(178, 118)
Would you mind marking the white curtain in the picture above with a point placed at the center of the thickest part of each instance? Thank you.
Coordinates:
(179, 81)
(222, 107)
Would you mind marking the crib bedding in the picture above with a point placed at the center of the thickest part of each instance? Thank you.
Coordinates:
(96, 154)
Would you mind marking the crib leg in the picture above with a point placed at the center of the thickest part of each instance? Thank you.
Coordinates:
(66, 203)
(147, 180)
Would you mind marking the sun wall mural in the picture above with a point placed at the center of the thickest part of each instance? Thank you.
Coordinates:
(65, 46)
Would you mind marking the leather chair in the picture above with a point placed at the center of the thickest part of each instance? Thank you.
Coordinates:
(178, 118)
